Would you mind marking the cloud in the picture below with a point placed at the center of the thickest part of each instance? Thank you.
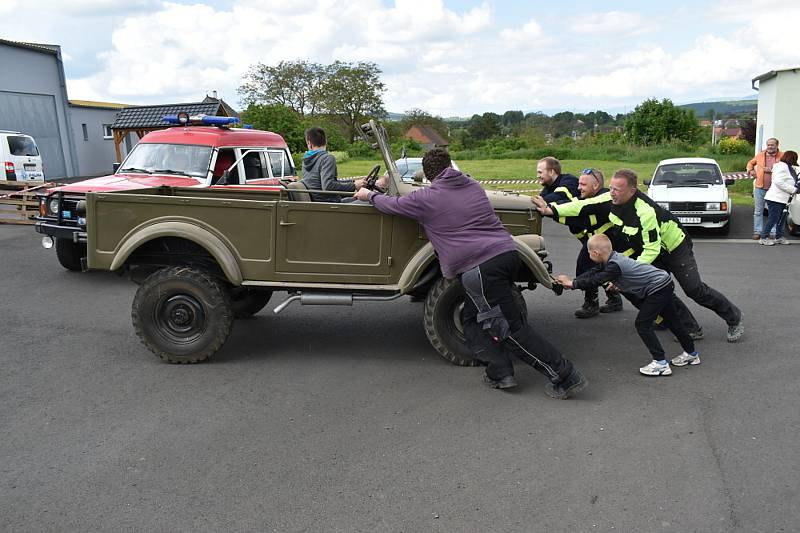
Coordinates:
(610, 23)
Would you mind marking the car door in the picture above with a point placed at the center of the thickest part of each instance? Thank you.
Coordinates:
(332, 242)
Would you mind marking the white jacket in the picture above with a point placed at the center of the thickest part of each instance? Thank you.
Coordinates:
(782, 183)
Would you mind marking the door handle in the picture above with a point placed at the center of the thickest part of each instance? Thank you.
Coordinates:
(282, 223)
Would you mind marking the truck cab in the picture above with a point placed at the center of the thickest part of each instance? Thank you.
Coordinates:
(202, 152)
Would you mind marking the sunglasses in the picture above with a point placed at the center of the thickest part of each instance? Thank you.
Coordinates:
(590, 172)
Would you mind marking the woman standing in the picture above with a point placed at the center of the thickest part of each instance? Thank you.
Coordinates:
(784, 185)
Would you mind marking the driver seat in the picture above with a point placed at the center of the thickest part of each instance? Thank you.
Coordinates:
(298, 192)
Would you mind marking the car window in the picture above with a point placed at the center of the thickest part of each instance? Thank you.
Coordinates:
(22, 145)
(253, 169)
(189, 160)
(687, 174)
(279, 163)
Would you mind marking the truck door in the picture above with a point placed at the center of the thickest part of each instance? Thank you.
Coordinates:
(332, 242)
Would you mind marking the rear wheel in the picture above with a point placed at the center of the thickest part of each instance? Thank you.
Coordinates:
(183, 315)
(69, 253)
(442, 320)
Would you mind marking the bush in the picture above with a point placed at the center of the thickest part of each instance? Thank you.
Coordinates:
(361, 149)
(731, 145)
(341, 157)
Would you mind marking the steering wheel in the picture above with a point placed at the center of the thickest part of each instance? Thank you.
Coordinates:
(372, 178)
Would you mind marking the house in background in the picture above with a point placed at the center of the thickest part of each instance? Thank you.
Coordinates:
(778, 108)
(426, 136)
(33, 100)
(93, 137)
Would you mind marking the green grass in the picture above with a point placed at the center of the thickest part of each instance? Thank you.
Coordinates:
(525, 169)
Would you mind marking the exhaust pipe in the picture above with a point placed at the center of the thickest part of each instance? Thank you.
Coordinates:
(331, 298)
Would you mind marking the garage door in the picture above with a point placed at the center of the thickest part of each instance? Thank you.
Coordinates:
(35, 114)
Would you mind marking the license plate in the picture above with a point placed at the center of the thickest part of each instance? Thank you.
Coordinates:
(689, 220)
(29, 167)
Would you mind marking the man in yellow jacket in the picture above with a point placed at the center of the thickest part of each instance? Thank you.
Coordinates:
(761, 167)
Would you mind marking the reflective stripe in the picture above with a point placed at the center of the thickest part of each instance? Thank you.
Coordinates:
(604, 228)
(629, 252)
(592, 220)
(565, 191)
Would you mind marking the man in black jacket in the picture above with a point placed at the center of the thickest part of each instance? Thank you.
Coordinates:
(319, 169)
(557, 187)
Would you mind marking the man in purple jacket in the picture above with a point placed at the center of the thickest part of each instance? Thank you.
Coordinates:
(473, 245)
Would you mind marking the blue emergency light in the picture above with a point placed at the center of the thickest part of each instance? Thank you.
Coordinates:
(184, 119)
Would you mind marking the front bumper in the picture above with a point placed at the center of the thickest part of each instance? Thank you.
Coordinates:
(71, 233)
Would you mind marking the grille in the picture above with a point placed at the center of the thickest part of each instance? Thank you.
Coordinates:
(687, 206)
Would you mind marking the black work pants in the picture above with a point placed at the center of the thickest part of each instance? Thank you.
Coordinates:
(584, 264)
(496, 279)
(682, 264)
(660, 303)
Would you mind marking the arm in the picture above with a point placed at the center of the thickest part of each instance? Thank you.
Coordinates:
(782, 179)
(651, 235)
(409, 206)
(751, 164)
(590, 206)
(328, 173)
(597, 277)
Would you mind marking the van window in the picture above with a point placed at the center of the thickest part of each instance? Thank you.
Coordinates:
(281, 166)
(22, 145)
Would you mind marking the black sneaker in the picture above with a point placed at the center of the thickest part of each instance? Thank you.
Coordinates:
(612, 305)
(567, 387)
(588, 310)
(507, 382)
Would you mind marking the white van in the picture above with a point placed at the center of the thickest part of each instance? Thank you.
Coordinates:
(694, 190)
(20, 157)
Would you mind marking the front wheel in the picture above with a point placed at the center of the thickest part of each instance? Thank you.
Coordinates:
(183, 315)
(70, 253)
(442, 320)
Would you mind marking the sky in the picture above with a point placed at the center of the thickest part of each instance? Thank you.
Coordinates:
(447, 57)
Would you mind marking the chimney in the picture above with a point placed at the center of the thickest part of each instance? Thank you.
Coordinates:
(214, 95)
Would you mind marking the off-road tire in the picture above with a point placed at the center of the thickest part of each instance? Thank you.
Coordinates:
(70, 253)
(182, 314)
(442, 306)
(247, 302)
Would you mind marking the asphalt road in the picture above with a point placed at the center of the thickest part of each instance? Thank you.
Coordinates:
(345, 419)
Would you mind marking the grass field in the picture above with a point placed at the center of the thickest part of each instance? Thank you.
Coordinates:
(524, 169)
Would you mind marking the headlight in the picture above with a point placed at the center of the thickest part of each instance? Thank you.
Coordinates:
(712, 206)
(52, 205)
(663, 205)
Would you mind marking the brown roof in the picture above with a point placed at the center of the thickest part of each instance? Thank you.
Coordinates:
(101, 105)
(425, 135)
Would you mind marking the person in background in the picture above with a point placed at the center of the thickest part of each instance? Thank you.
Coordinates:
(784, 185)
(557, 188)
(761, 167)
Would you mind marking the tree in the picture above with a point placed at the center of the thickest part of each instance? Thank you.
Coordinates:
(280, 119)
(653, 122)
(351, 92)
(748, 130)
(294, 84)
(511, 120)
(482, 127)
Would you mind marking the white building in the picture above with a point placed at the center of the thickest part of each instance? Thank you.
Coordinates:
(778, 108)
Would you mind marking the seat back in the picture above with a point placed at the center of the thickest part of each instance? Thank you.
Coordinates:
(705, 176)
(298, 192)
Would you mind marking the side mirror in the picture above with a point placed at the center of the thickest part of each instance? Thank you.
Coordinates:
(647, 182)
(729, 181)
(115, 167)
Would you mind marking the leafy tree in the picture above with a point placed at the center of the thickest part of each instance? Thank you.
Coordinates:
(653, 122)
(294, 84)
(351, 92)
(482, 127)
(280, 119)
(418, 117)
(511, 120)
(748, 130)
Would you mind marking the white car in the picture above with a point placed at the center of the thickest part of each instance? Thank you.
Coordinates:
(694, 190)
(20, 157)
(408, 166)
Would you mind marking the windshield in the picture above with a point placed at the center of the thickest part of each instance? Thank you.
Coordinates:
(407, 168)
(183, 159)
(683, 174)
(22, 145)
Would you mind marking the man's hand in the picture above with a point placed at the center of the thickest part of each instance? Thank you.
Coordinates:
(359, 183)
(541, 205)
(611, 288)
(362, 194)
(565, 281)
(751, 172)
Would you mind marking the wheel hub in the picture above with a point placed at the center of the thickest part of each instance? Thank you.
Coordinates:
(181, 317)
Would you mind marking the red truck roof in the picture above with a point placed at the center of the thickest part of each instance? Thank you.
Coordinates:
(213, 136)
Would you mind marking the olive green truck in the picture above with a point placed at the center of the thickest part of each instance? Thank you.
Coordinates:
(206, 257)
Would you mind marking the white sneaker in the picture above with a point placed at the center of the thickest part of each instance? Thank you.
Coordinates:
(686, 359)
(782, 241)
(765, 242)
(656, 369)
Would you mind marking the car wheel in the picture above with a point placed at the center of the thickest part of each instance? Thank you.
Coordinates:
(183, 315)
(247, 302)
(442, 320)
(726, 229)
(70, 254)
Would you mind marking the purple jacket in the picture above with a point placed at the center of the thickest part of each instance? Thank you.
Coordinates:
(458, 219)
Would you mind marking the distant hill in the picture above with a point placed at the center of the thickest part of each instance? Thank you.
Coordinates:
(723, 108)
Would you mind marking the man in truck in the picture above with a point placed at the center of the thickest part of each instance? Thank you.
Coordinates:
(473, 245)
(319, 169)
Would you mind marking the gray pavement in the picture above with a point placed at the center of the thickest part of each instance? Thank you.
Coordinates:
(345, 419)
